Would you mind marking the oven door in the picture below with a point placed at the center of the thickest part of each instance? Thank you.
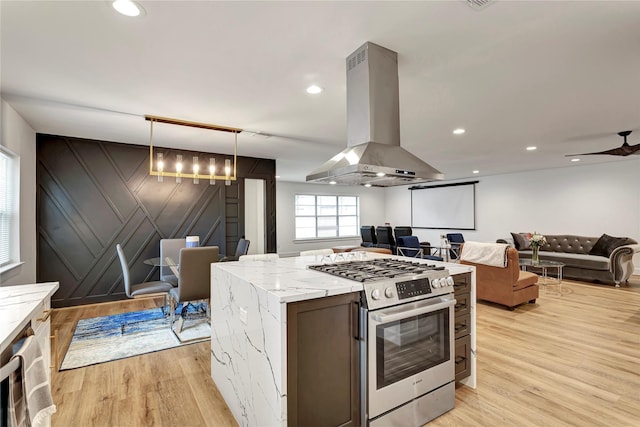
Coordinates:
(409, 352)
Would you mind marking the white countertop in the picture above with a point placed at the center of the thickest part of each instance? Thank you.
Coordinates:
(18, 304)
(289, 279)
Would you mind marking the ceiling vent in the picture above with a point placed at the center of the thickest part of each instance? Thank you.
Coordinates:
(479, 4)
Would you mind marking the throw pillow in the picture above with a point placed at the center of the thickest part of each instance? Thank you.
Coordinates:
(521, 241)
(606, 244)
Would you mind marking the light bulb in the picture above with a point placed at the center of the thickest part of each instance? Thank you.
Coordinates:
(160, 166)
(196, 168)
(179, 168)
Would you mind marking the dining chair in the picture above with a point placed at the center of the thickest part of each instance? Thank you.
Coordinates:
(368, 234)
(384, 234)
(170, 248)
(400, 231)
(410, 246)
(241, 249)
(455, 240)
(194, 279)
(144, 289)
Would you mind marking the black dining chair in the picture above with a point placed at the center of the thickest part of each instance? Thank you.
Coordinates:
(384, 234)
(368, 234)
(400, 231)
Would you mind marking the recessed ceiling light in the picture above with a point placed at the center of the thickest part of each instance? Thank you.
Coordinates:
(314, 90)
(332, 182)
(127, 7)
(531, 148)
(277, 176)
(380, 174)
(367, 185)
(458, 131)
(575, 160)
(476, 171)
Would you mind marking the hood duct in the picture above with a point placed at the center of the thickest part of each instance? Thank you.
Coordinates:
(373, 155)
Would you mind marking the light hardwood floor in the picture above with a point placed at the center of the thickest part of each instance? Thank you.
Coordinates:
(569, 360)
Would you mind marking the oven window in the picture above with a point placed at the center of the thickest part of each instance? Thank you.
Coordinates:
(409, 346)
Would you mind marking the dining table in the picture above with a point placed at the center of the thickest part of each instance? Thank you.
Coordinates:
(167, 262)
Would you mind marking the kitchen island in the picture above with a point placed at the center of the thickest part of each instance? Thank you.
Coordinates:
(249, 310)
(22, 307)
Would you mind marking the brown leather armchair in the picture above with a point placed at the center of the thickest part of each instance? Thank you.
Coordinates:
(507, 286)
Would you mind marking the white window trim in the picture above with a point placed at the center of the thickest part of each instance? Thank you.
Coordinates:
(326, 238)
(14, 228)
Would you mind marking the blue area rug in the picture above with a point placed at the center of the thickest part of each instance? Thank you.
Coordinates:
(107, 338)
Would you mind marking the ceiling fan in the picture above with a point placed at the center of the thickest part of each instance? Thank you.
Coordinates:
(624, 150)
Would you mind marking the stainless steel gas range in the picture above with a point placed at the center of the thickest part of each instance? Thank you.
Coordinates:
(407, 339)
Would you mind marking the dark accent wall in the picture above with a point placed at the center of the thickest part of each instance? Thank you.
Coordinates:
(92, 195)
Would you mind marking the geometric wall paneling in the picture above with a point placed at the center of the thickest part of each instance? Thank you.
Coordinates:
(92, 195)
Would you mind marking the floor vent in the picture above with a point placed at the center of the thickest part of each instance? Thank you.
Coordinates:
(479, 4)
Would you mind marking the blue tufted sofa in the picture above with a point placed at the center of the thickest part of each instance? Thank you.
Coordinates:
(574, 252)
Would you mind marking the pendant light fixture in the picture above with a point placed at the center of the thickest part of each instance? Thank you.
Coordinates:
(159, 166)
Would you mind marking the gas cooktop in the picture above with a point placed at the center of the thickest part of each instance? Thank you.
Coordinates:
(377, 269)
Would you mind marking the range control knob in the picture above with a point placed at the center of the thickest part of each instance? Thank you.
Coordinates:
(435, 283)
(375, 294)
(388, 292)
(450, 281)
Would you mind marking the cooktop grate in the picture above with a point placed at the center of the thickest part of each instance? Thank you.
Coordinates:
(377, 269)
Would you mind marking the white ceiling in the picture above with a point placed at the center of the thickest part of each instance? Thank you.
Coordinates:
(563, 76)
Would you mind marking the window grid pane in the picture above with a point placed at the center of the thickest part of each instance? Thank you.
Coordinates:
(5, 208)
(326, 216)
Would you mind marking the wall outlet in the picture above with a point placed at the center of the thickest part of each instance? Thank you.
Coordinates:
(243, 315)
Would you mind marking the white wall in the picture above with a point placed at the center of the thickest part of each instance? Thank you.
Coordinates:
(20, 138)
(372, 210)
(254, 214)
(586, 200)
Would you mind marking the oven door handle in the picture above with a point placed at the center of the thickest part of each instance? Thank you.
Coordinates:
(428, 307)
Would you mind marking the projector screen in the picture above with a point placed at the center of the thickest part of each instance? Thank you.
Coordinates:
(450, 206)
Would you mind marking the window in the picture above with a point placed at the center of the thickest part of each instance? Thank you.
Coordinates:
(326, 216)
(6, 205)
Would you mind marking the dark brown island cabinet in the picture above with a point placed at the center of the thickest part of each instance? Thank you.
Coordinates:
(323, 385)
(323, 379)
(462, 289)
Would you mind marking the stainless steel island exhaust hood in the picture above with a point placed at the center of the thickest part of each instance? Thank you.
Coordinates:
(373, 155)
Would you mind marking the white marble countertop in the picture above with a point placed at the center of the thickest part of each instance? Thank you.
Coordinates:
(18, 304)
(288, 279)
